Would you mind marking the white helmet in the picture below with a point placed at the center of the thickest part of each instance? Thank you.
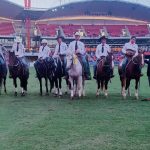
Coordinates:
(44, 41)
(77, 34)
(18, 40)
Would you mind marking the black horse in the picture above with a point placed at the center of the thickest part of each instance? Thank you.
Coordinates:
(18, 70)
(3, 74)
(49, 69)
(42, 70)
(55, 74)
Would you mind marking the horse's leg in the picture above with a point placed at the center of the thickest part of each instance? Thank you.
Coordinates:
(127, 85)
(5, 85)
(76, 91)
(129, 92)
(22, 85)
(56, 86)
(103, 86)
(72, 87)
(123, 83)
(98, 87)
(79, 86)
(51, 85)
(15, 85)
(106, 87)
(60, 86)
(1, 80)
(136, 88)
(46, 85)
(40, 81)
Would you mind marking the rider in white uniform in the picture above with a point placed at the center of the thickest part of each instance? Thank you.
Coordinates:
(44, 50)
(60, 51)
(131, 46)
(19, 50)
(103, 50)
(77, 47)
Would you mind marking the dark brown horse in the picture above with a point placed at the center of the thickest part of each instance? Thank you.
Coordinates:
(18, 70)
(132, 71)
(103, 74)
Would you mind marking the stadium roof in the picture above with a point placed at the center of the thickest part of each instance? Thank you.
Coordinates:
(55, 3)
(114, 8)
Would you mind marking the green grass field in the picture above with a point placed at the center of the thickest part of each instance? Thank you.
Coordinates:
(47, 123)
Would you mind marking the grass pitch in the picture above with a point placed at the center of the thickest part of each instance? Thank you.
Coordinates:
(47, 123)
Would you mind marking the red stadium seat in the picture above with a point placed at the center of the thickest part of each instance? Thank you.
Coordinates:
(138, 30)
(92, 30)
(48, 29)
(115, 30)
(6, 28)
(69, 30)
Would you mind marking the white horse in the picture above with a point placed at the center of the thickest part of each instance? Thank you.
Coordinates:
(75, 73)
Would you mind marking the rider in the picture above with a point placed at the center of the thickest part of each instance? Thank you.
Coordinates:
(103, 50)
(77, 47)
(60, 51)
(2, 51)
(44, 52)
(130, 48)
(19, 51)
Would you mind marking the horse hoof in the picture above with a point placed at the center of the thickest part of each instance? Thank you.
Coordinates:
(137, 98)
(71, 98)
(106, 95)
(124, 97)
(60, 96)
(23, 94)
(15, 94)
(47, 94)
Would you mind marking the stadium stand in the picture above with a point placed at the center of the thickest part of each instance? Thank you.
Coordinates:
(115, 30)
(69, 30)
(138, 30)
(6, 28)
(48, 29)
(92, 30)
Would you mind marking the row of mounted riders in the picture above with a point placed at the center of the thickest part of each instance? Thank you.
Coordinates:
(51, 69)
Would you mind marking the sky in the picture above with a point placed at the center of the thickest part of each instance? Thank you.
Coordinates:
(53, 3)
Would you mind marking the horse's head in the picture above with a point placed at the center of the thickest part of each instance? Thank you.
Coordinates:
(50, 62)
(139, 59)
(69, 58)
(108, 59)
(12, 59)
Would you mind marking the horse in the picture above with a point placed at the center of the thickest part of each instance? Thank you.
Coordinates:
(41, 72)
(3, 74)
(131, 72)
(103, 75)
(75, 72)
(18, 70)
(55, 73)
